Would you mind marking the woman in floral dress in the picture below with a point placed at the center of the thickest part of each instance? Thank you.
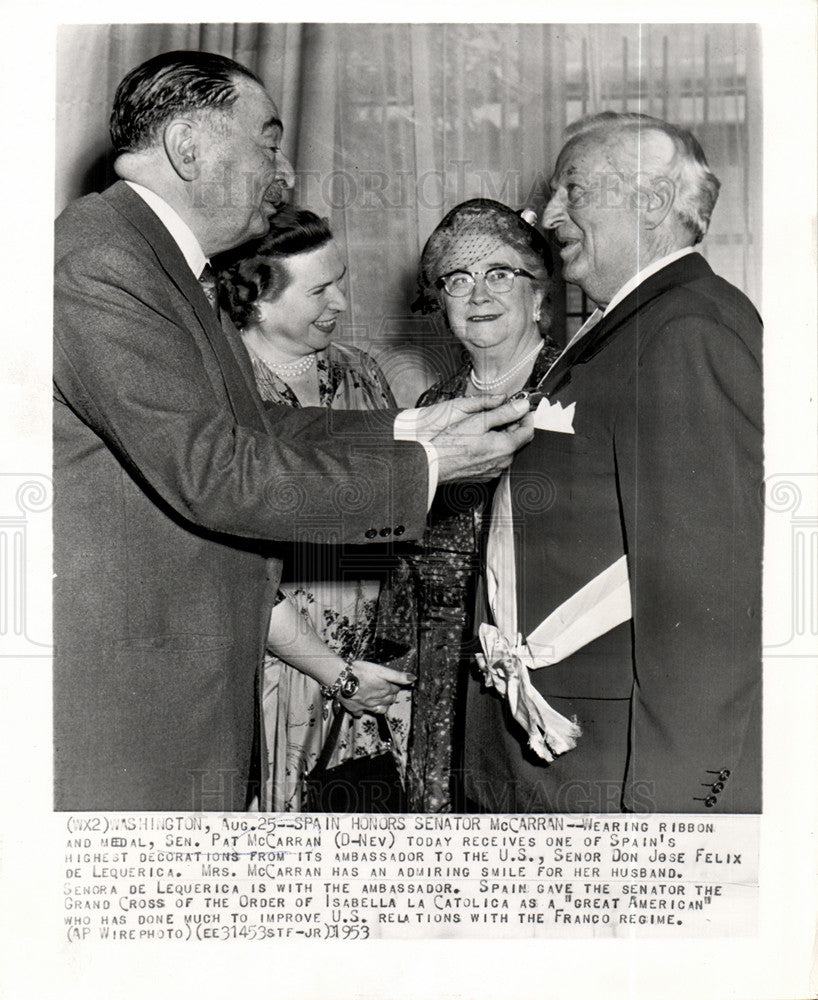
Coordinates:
(284, 294)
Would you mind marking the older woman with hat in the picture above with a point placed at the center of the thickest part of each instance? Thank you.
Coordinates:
(488, 271)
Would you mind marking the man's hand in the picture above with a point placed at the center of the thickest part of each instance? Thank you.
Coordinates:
(475, 438)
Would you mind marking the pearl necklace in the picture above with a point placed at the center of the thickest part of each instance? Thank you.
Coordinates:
(292, 369)
(488, 384)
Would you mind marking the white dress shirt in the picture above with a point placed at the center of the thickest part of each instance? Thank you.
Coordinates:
(180, 231)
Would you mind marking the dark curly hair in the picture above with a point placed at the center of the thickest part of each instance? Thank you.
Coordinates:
(464, 233)
(258, 269)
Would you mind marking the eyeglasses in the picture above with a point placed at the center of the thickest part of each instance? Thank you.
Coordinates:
(498, 279)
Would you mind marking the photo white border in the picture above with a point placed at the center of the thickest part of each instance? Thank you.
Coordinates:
(34, 957)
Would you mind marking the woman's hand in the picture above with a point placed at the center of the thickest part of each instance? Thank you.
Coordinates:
(378, 687)
(293, 639)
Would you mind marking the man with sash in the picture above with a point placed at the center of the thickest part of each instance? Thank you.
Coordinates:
(621, 666)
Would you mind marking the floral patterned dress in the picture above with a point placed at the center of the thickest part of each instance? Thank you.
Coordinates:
(341, 606)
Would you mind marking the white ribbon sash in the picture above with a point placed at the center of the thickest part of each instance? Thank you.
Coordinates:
(592, 611)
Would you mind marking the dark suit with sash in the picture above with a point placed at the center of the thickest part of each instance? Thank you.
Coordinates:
(171, 483)
(665, 467)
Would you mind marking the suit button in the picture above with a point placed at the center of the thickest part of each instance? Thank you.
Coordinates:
(724, 774)
(386, 532)
(370, 533)
(710, 801)
(399, 530)
(717, 787)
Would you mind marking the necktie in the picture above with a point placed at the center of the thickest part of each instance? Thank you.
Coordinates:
(588, 325)
(207, 279)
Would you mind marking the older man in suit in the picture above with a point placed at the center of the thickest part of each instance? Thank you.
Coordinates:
(626, 544)
(172, 480)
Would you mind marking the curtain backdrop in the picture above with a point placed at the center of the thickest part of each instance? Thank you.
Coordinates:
(390, 125)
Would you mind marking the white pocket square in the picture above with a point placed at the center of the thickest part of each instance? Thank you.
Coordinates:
(554, 417)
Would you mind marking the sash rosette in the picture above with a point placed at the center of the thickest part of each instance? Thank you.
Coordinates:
(506, 669)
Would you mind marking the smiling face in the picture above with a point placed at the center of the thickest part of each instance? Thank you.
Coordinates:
(244, 173)
(302, 319)
(485, 319)
(596, 216)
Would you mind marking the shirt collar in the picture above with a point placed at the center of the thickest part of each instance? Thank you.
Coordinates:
(176, 226)
(646, 272)
(626, 289)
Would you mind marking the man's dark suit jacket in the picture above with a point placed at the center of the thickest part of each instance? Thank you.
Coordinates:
(171, 481)
(665, 466)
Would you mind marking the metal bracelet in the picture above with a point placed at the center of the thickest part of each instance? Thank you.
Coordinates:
(331, 691)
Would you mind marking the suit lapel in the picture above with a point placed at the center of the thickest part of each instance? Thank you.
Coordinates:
(678, 272)
(240, 389)
(242, 361)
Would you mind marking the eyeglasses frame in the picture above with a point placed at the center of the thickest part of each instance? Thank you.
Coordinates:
(474, 275)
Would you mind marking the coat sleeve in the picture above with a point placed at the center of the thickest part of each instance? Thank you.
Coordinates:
(128, 364)
(689, 455)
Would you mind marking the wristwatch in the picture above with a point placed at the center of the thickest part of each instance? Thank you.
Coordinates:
(345, 686)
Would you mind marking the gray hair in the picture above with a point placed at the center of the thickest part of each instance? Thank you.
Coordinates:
(664, 149)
